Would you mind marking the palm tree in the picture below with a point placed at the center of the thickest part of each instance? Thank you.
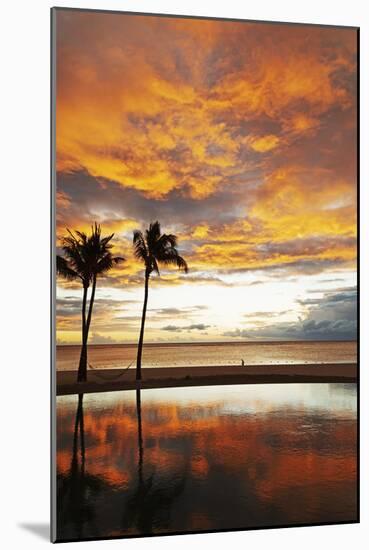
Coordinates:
(86, 257)
(153, 248)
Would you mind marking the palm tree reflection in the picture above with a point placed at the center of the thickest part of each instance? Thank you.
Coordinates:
(148, 508)
(76, 489)
(139, 435)
(91, 507)
(78, 469)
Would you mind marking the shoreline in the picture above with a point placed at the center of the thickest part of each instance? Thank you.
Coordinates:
(102, 380)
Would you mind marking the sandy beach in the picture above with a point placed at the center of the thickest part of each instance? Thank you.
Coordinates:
(120, 379)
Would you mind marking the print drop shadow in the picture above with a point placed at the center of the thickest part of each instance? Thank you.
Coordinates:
(42, 530)
(151, 502)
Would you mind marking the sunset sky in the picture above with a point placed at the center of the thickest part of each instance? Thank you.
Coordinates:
(240, 138)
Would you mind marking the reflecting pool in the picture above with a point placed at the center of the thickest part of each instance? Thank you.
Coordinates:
(205, 458)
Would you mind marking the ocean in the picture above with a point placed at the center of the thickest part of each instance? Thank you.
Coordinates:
(209, 354)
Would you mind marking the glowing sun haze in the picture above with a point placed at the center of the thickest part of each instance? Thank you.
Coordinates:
(240, 138)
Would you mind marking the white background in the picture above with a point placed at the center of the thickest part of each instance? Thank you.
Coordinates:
(24, 272)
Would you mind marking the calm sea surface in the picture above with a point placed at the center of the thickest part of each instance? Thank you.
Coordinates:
(174, 355)
(195, 459)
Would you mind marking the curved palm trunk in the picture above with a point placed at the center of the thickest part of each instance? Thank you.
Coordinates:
(78, 426)
(139, 434)
(142, 331)
(82, 369)
(76, 479)
(82, 434)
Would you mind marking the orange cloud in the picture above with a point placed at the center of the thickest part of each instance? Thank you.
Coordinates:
(152, 121)
(264, 143)
(301, 122)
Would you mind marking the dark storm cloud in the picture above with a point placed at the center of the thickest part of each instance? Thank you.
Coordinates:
(107, 314)
(167, 311)
(308, 246)
(88, 196)
(176, 328)
(300, 267)
(71, 305)
(341, 307)
(97, 338)
(342, 300)
(309, 330)
(333, 317)
(266, 314)
(170, 311)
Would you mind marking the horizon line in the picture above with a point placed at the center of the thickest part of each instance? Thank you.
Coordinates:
(212, 342)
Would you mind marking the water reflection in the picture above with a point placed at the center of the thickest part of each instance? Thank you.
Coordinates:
(139, 432)
(75, 488)
(149, 505)
(205, 458)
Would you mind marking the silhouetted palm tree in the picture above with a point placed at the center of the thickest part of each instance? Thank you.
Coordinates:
(86, 257)
(153, 248)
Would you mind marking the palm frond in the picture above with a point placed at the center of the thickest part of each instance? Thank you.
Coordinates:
(65, 270)
(106, 263)
(182, 264)
(104, 242)
(165, 241)
(139, 246)
(153, 248)
(171, 257)
(152, 235)
(76, 257)
(88, 255)
(137, 235)
(118, 260)
(83, 237)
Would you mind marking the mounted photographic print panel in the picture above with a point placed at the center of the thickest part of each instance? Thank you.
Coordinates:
(204, 182)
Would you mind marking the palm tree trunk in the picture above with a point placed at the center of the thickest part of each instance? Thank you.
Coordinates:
(74, 462)
(139, 434)
(92, 299)
(82, 368)
(140, 342)
(82, 434)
